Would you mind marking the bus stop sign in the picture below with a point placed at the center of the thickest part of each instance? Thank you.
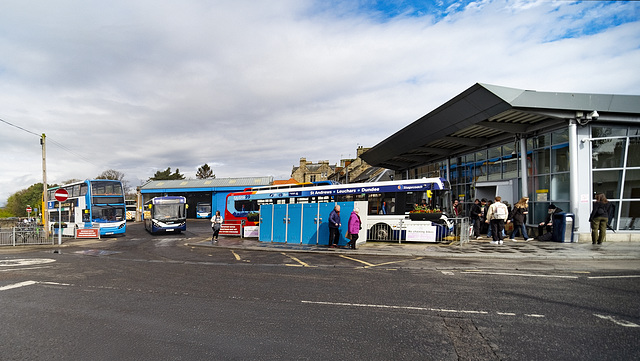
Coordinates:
(61, 195)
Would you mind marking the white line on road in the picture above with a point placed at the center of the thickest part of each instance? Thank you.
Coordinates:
(21, 269)
(413, 308)
(17, 285)
(30, 283)
(603, 277)
(617, 322)
(518, 274)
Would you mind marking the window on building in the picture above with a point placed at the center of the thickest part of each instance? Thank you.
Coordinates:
(615, 163)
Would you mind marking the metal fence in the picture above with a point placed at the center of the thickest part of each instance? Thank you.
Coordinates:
(24, 235)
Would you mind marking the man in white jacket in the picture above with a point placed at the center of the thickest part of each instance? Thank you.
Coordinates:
(496, 215)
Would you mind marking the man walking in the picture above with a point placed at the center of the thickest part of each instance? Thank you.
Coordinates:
(496, 215)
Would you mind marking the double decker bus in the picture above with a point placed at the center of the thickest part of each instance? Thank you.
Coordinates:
(165, 214)
(91, 203)
(389, 203)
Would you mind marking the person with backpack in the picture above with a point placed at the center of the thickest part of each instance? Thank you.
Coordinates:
(497, 214)
(599, 219)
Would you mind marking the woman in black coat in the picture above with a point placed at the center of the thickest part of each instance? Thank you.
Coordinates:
(519, 219)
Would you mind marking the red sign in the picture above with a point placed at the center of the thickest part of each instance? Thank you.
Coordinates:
(230, 229)
(88, 233)
(29, 209)
(61, 195)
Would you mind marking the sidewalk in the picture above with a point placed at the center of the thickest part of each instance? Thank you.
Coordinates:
(474, 249)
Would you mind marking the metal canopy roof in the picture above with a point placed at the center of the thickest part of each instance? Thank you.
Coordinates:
(207, 183)
(486, 115)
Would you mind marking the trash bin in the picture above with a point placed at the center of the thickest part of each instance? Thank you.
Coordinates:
(563, 227)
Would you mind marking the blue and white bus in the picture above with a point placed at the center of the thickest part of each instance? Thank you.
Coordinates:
(203, 210)
(390, 204)
(91, 203)
(165, 214)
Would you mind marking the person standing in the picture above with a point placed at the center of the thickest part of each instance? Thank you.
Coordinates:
(599, 219)
(334, 227)
(476, 214)
(216, 224)
(496, 215)
(519, 219)
(456, 208)
(354, 227)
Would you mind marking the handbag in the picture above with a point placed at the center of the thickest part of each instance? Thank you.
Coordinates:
(347, 235)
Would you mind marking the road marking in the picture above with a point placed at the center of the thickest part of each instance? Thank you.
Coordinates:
(506, 313)
(30, 283)
(17, 285)
(603, 277)
(22, 269)
(357, 260)
(236, 256)
(25, 262)
(392, 262)
(393, 307)
(518, 274)
(448, 273)
(534, 315)
(297, 260)
(617, 322)
(367, 264)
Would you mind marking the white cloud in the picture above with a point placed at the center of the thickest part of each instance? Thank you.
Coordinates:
(250, 87)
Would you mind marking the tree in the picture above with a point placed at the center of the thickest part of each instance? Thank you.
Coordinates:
(167, 175)
(205, 172)
(114, 175)
(17, 203)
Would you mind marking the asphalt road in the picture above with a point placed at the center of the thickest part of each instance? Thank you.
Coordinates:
(143, 297)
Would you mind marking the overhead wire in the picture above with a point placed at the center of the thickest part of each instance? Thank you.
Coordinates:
(53, 142)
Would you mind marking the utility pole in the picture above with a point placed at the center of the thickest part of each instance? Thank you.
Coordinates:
(45, 200)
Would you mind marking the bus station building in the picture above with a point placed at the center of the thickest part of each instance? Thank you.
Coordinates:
(212, 191)
(555, 148)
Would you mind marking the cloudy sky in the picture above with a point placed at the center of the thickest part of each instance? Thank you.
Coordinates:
(251, 86)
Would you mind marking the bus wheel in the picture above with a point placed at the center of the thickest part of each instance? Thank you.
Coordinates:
(381, 232)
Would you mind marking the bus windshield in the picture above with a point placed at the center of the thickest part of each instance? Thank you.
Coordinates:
(168, 211)
(103, 214)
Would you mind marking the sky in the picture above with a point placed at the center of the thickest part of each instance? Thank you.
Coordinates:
(250, 87)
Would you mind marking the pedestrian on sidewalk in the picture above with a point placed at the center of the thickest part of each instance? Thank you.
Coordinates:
(476, 215)
(354, 227)
(599, 219)
(334, 227)
(216, 224)
(519, 219)
(496, 215)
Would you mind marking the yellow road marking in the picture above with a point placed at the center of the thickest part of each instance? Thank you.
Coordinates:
(297, 260)
(357, 260)
(236, 256)
(367, 264)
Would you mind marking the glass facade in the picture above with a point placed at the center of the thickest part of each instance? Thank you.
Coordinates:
(615, 164)
(615, 167)
(548, 173)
